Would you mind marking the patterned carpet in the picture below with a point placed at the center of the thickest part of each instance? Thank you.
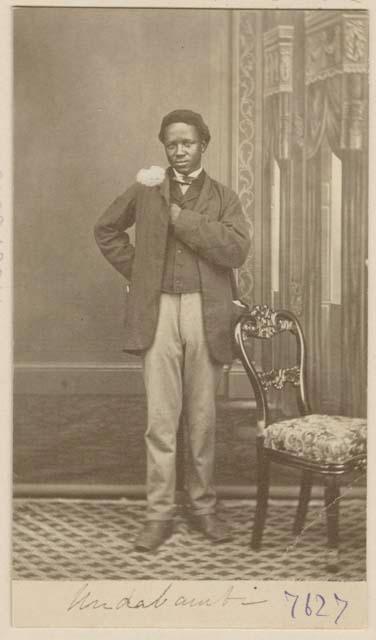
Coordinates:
(83, 539)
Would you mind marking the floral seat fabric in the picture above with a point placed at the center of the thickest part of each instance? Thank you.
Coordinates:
(319, 438)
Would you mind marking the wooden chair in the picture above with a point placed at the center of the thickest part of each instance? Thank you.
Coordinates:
(324, 445)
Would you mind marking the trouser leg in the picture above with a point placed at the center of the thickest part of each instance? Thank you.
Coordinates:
(201, 376)
(163, 383)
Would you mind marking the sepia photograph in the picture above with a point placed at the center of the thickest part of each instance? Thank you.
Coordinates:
(190, 284)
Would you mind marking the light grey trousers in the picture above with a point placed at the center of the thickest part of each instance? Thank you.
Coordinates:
(179, 373)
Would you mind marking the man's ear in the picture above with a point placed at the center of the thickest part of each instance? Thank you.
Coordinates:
(203, 146)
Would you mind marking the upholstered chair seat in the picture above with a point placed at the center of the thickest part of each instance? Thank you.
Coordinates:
(319, 438)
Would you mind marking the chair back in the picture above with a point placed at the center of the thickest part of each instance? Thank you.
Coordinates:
(263, 323)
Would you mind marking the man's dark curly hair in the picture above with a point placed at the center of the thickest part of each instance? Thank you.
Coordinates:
(188, 117)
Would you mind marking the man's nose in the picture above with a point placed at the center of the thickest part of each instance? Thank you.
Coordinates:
(180, 150)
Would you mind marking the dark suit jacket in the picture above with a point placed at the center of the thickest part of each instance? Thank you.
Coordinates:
(215, 228)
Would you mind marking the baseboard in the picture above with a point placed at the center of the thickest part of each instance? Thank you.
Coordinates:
(70, 378)
(109, 491)
(54, 378)
(238, 385)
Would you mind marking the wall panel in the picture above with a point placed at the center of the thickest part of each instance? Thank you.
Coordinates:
(91, 87)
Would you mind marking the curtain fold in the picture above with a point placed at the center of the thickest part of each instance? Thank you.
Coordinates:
(312, 278)
(354, 283)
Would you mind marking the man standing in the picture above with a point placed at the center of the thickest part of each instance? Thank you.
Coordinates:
(190, 234)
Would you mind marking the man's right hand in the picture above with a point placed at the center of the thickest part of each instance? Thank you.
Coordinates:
(174, 212)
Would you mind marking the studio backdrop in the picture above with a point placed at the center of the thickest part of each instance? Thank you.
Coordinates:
(285, 97)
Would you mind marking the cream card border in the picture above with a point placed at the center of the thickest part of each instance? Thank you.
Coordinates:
(26, 597)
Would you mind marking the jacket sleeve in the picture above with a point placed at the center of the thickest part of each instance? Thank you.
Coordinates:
(110, 235)
(224, 242)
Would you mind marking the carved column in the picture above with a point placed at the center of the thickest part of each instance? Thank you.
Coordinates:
(295, 295)
(277, 102)
(278, 51)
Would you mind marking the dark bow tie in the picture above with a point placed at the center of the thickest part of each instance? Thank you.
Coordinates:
(183, 179)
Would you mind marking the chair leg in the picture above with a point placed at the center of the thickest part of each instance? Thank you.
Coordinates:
(332, 514)
(304, 498)
(263, 473)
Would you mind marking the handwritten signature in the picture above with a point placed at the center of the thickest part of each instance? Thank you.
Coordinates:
(85, 599)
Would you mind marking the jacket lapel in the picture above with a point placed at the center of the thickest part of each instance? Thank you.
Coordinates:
(202, 200)
(204, 196)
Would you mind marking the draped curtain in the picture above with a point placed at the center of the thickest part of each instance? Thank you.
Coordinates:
(331, 112)
(326, 91)
(354, 282)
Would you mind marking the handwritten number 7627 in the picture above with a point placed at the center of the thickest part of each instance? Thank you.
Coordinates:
(314, 605)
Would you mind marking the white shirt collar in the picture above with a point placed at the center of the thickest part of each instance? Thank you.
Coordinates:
(194, 174)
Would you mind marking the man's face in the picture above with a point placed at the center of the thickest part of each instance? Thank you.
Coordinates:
(183, 147)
